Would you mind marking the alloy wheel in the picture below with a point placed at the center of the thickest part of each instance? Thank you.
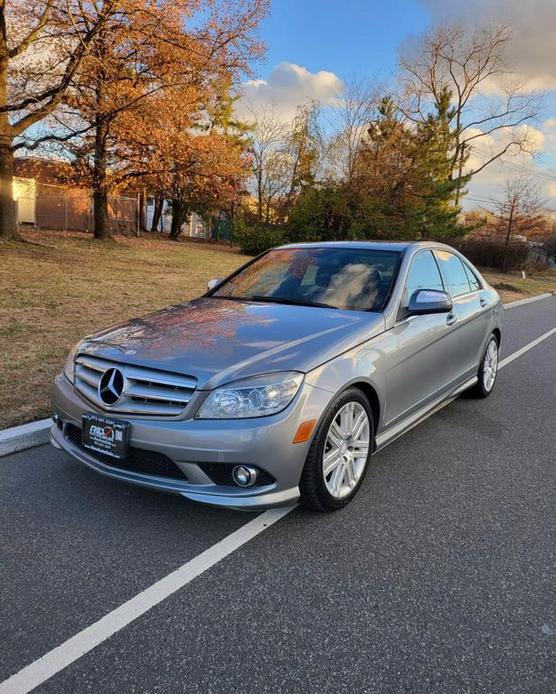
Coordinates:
(490, 365)
(346, 449)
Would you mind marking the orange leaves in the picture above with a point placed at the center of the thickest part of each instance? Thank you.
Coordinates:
(152, 97)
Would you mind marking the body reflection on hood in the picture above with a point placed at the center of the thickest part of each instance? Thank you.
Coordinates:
(210, 336)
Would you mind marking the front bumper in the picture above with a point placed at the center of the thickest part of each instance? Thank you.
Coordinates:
(189, 443)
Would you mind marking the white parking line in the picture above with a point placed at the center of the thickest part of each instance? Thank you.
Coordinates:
(71, 650)
(77, 646)
(519, 352)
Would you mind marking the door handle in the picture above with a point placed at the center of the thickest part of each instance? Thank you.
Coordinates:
(483, 302)
(451, 318)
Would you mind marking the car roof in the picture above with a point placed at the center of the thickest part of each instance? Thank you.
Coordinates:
(370, 245)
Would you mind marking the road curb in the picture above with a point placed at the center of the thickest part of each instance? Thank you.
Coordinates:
(24, 436)
(36, 433)
(530, 299)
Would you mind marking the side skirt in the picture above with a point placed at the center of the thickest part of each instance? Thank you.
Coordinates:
(382, 440)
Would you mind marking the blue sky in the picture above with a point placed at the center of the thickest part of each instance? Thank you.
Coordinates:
(346, 37)
(312, 46)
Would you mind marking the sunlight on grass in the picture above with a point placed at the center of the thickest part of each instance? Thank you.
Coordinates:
(64, 286)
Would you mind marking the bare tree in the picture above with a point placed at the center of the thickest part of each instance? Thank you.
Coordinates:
(470, 64)
(518, 213)
(304, 146)
(268, 134)
(348, 119)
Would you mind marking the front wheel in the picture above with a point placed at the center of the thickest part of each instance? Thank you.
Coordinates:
(340, 452)
(488, 370)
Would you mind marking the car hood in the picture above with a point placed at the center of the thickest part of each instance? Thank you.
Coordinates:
(217, 340)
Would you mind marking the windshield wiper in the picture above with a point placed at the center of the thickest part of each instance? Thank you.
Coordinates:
(284, 300)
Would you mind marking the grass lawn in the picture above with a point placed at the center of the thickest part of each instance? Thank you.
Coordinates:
(70, 285)
(63, 286)
(511, 285)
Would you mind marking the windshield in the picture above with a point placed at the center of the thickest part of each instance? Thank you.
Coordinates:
(347, 278)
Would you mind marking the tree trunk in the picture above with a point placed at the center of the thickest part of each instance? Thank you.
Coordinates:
(8, 222)
(157, 212)
(179, 213)
(260, 195)
(100, 215)
(142, 203)
(508, 237)
(457, 196)
(100, 187)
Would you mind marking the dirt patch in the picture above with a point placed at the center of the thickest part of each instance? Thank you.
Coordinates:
(503, 286)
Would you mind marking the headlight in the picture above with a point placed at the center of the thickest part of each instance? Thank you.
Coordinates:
(69, 366)
(253, 397)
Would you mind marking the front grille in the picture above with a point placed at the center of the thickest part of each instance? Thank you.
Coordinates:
(221, 473)
(138, 460)
(145, 391)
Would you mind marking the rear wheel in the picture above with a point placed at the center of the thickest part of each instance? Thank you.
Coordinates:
(488, 370)
(339, 455)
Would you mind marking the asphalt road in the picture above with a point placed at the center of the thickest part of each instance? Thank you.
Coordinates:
(439, 577)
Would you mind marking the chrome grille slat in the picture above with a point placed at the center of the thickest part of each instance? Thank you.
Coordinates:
(94, 363)
(132, 407)
(90, 393)
(154, 393)
(146, 392)
(161, 378)
(85, 375)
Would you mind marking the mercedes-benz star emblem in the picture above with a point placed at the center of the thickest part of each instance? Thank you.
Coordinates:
(111, 386)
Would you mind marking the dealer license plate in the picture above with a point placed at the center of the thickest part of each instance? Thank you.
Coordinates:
(105, 435)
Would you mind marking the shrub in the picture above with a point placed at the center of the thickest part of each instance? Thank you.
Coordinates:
(489, 252)
(322, 214)
(255, 237)
(549, 245)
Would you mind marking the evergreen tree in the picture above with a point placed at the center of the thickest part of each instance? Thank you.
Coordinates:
(435, 211)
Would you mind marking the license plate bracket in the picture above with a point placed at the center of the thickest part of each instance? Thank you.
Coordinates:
(105, 435)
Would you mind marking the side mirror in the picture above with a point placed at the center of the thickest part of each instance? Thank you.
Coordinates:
(424, 301)
(212, 284)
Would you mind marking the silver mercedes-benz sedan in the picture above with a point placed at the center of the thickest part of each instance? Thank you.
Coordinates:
(284, 378)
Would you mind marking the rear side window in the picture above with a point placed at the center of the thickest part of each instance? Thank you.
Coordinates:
(423, 274)
(454, 273)
(472, 277)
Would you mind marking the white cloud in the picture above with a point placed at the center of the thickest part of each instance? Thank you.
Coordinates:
(539, 163)
(287, 86)
(549, 132)
(533, 28)
(488, 184)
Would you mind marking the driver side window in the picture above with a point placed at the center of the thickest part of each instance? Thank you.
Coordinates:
(423, 274)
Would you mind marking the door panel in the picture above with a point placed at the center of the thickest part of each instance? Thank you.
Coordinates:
(474, 324)
(422, 364)
(471, 306)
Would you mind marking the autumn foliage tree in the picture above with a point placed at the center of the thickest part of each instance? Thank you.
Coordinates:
(42, 46)
(90, 65)
(153, 73)
(186, 146)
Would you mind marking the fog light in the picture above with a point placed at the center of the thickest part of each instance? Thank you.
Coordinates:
(244, 475)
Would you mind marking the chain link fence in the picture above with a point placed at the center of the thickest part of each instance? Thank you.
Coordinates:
(60, 207)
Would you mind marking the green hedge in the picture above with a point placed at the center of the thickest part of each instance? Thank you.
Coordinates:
(254, 238)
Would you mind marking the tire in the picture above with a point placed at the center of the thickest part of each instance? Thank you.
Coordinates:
(485, 385)
(351, 407)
